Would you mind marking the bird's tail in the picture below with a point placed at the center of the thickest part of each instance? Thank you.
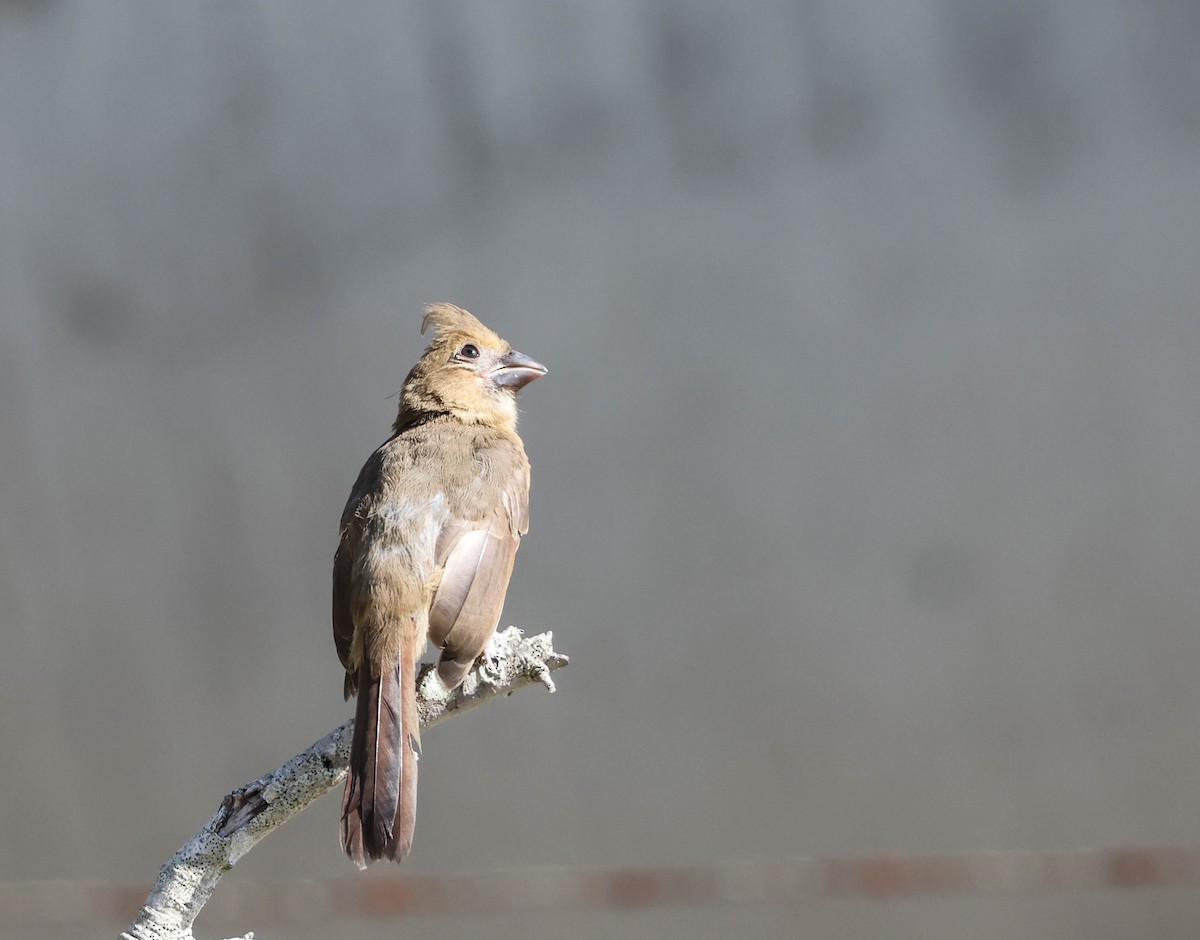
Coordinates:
(379, 808)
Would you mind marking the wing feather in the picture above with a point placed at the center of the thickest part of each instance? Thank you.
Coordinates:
(477, 558)
(343, 569)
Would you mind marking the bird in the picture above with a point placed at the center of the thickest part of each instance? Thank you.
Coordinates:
(425, 551)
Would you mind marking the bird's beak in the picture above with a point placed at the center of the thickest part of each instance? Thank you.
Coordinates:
(516, 370)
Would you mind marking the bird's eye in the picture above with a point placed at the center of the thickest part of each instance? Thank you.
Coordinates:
(470, 351)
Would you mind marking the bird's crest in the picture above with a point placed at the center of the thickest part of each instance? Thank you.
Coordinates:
(451, 323)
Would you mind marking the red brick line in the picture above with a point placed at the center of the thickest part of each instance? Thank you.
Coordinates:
(879, 876)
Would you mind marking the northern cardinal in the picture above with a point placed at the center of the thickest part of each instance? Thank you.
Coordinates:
(428, 538)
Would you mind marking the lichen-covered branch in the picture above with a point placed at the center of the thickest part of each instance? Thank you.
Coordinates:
(247, 814)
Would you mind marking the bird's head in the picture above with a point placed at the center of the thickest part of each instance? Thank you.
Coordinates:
(467, 370)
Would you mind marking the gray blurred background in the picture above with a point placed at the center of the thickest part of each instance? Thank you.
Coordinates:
(866, 491)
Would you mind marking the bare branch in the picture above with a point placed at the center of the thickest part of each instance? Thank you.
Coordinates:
(247, 814)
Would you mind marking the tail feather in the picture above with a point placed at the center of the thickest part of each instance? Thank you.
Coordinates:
(379, 806)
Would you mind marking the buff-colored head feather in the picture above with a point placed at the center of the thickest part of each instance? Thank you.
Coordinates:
(451, 324)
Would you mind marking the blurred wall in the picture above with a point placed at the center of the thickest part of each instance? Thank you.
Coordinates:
(865, 478)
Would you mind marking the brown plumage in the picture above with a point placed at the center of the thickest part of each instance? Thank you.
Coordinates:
(428, 539)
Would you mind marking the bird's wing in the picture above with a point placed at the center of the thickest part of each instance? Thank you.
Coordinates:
(343, 566)
(476, 552)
